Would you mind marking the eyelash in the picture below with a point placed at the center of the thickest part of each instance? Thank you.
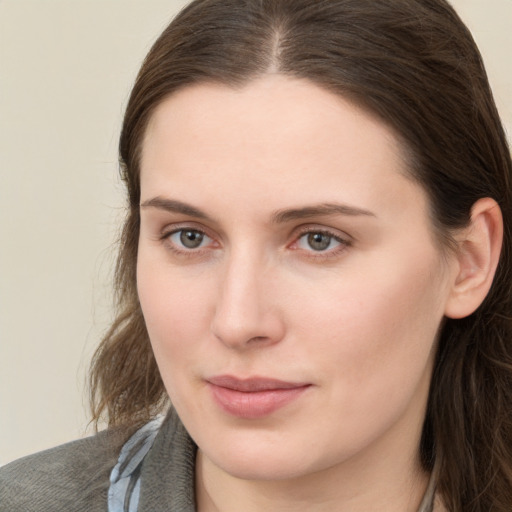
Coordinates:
(344, 243)
(166, 239)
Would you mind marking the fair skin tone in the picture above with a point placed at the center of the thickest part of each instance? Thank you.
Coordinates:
(281, 239)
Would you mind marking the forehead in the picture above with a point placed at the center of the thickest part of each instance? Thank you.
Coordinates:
(275, 133)
(289, 108)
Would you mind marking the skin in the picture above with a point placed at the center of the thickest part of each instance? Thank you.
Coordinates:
(357, 321)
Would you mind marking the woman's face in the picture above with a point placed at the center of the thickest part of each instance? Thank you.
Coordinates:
(289, 278)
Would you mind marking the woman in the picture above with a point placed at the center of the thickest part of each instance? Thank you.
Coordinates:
(314, 270)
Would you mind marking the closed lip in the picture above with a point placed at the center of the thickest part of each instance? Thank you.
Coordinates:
(254, 397)
(253, 384)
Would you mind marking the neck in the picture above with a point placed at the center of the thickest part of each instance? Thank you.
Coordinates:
(354, 486)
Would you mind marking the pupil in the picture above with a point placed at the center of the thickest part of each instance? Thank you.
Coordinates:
(191, 239)
(319, 241)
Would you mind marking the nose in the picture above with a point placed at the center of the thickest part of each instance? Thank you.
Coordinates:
(247, 313)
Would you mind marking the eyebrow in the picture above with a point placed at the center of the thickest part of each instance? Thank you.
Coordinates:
(319, 210)
(173, 206)
(278, 217)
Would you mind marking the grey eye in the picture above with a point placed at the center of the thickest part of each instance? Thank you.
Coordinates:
(188, 238)
(191, 239)
(319, 241)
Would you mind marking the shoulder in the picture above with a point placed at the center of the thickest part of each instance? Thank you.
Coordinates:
(74, 476)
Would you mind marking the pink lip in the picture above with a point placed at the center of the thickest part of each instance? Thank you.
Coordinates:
(255, 397)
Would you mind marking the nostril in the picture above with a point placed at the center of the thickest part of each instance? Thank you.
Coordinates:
(257, 339)
(260, 333)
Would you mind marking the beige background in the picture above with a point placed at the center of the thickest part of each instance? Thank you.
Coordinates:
(66, 68)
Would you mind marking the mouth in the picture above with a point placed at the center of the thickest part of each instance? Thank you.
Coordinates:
(255, 397)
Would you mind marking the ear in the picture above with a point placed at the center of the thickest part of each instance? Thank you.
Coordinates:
(478, 252)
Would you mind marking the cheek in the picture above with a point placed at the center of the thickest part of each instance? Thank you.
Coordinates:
(376, 333)
(176, 309)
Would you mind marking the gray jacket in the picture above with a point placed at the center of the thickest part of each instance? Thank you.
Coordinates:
(75, 477)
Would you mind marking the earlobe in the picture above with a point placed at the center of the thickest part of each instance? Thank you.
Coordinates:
(478, 252)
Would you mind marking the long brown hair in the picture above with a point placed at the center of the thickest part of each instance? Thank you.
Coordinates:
(414, 64)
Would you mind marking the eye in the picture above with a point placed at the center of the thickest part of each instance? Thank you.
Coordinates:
(319, 241)
(189, 239)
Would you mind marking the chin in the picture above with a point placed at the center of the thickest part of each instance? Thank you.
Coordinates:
(264, 459)
(261, 466)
